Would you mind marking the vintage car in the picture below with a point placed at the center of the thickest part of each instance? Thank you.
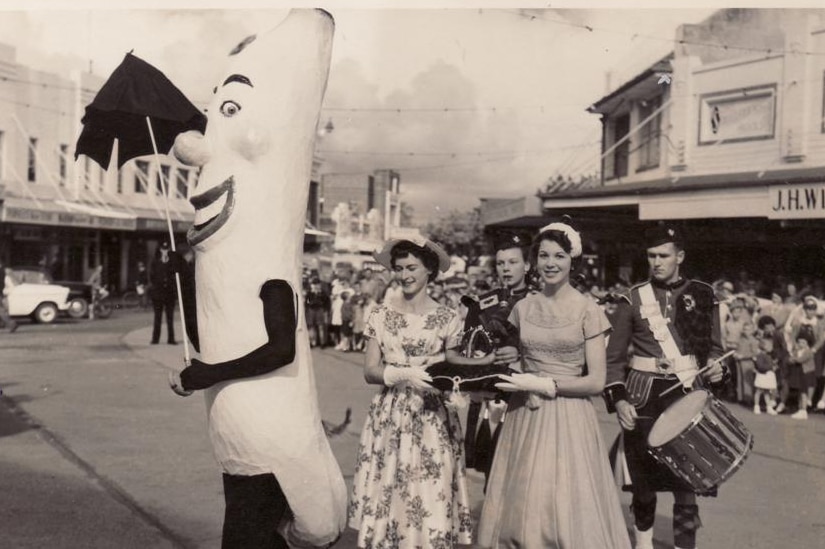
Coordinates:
(80, 293)
(41, 302)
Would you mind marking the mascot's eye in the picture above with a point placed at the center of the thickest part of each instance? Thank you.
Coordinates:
(230, 108)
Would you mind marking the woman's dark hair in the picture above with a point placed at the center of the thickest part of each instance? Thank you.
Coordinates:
(559, 238)
(553, 236)
(764, 320)
(807, 336)
(425, 255)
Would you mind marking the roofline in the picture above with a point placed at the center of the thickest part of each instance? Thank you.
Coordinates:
(651, 70)
(675, 184)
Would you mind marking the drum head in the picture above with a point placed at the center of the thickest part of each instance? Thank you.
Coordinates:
(677, 418)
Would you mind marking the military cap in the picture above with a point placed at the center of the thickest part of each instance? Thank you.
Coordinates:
(662, 234)
(507, 241)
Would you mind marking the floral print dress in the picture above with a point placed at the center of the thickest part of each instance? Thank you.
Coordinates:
(409, 488)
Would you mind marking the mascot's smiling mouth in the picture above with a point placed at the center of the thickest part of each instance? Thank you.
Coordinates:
(212, 211)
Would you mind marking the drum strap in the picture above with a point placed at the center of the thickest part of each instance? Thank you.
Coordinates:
(651, 311)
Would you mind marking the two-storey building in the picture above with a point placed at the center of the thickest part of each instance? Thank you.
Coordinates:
(725, 137)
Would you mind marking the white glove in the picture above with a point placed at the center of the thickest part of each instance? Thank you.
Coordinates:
(528, 382)
(417, 377)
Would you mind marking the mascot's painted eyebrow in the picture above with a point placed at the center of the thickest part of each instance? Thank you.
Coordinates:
(238, 78)
(234, 78)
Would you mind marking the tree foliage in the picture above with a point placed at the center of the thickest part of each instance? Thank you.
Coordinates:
(460, 233)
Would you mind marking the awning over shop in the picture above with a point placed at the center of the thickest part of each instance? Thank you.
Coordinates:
(64, 214)
(780, 194)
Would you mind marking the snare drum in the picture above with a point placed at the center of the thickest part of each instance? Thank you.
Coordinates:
(700, 441)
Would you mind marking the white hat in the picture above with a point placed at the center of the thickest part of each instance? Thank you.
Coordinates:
(572, 235)
(384, 257)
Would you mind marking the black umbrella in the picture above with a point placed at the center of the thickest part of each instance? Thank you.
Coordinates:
(144, 111)
(135, 90)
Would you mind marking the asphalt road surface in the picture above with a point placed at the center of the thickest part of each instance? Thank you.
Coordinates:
(96, 451)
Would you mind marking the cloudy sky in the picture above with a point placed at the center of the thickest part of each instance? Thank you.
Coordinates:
(464, 103)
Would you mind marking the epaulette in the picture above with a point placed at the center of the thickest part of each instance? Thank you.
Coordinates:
(622, 296)
(705, 286)
(695, 281)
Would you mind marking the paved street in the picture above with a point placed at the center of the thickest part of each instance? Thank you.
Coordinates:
(95, 451)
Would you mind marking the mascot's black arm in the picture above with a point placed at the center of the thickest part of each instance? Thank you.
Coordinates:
(190, 315)
(280, 320)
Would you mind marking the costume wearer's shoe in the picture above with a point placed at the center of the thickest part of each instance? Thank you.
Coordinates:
(800, 414)
(780, 408)
(821, 404)
(643, 539)
(772, 412)
(756, 409)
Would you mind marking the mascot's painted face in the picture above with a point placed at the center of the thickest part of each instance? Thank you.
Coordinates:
(256, 114)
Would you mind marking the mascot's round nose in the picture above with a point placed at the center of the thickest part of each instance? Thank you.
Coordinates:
(192, 148)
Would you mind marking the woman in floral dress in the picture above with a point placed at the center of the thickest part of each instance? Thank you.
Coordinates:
(409, 487)
(551, 485)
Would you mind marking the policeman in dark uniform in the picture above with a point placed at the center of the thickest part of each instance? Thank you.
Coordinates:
(491, 312)
(672, 325)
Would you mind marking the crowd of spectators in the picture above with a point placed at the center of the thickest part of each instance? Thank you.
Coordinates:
(775, 328)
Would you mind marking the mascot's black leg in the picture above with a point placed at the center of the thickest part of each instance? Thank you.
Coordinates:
(255, 506)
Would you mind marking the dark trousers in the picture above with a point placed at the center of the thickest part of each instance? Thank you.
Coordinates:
(161, 305)
(255, 506)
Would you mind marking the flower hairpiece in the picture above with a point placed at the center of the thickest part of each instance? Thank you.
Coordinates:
(572, 235)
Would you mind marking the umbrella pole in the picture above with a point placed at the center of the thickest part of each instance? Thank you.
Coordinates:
(186, 356)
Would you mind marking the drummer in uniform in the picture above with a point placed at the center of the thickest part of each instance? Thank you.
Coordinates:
(493, 308)
(672, 326)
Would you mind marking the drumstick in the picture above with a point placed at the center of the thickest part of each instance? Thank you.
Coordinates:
(696, 373)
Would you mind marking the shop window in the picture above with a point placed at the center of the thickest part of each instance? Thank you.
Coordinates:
(649, 134)
(182, 182)
(161, 182)
(32, 167)
(141, 176)
(62, 169)
(615, 163)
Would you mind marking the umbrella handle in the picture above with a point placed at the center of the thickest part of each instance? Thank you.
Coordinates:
(165, 186)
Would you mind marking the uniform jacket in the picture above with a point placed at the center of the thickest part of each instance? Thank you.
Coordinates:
(692, 315)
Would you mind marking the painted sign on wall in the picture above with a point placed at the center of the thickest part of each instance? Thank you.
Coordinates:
(741, 115)
(797, 201)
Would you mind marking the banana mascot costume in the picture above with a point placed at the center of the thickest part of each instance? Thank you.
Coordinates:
(282, 483)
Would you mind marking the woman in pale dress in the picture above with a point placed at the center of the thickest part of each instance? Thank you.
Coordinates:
(409, 487)
(551, 485)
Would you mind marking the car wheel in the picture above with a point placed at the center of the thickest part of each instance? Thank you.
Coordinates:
(78, 307)
(45, 313)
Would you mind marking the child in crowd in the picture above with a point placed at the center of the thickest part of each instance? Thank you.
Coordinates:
(764, 383)
(746, 350)
(347, 317)
(801, 371)
(358, 320)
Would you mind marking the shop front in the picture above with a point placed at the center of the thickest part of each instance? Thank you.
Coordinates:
(71, 239)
